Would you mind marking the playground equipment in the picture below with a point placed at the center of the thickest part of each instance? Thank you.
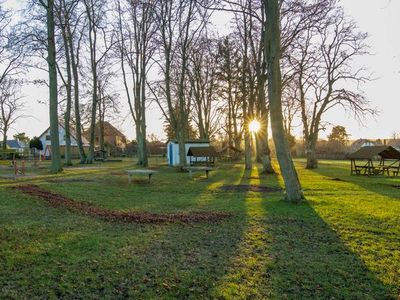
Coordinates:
(19, 169)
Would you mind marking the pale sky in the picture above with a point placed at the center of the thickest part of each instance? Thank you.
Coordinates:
(380, 18)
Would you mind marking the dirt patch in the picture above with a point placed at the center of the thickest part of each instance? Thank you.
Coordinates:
(249, 188)
(57, 200)
(70, 180)
(336, 179)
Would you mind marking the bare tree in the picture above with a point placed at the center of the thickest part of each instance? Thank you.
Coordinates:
(11, 106)
(99, 44)
(63, 14)
(136, 30)
(322, 59)
(228, 88)
(12, 58)
(180, 25)
(107, 100)
(12, 52)
(202, 74)
(272, 57)
(53, 92)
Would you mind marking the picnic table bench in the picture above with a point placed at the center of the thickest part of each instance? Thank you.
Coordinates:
(139, 172)
(192, 169)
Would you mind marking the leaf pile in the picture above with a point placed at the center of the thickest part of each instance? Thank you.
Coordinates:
(57, 200)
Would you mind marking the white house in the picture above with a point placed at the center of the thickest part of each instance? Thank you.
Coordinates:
(173, 150)
(46, 141)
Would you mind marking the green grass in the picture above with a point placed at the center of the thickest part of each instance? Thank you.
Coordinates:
(343, 243)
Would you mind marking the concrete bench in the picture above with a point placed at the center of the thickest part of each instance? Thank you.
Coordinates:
(139, 172)
(198, 169)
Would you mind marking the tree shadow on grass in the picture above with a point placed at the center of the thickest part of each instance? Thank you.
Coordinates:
(310, 261)
(268, 249)
(288, 252)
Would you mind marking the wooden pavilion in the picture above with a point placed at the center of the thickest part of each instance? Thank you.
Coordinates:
(362, 161)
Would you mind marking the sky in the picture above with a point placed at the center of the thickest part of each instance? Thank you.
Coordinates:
(380, 18)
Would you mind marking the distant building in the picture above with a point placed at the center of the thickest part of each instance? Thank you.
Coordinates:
(395, 143)
(114, 139)
(358, 144)
(173, 150)
(45, 138)
(15, 145)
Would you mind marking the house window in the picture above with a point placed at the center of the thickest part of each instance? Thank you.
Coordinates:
(48, 137)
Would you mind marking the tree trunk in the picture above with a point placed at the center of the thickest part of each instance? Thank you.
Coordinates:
(139, 149)
(67, 115)
(247, 148)
(265, 150)
(90, 157)
(67, 154)
(142, 123)
(182, 149)
(311, 154)
(51, 60)
(4, 145)
(289, 174)
(75, 75)
(78, 126)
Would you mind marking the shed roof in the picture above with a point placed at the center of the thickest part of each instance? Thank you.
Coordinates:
(368, 152)
(198, 141)
(202, 151)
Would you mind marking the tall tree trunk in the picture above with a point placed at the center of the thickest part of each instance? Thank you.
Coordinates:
(78, 126)
(182, 149)
(51, 60)
(311, 154)
(265, 151)
(67, 114)
(143, 131)
(289, 174)
(90, 157)
(139, 150)
(4, 145)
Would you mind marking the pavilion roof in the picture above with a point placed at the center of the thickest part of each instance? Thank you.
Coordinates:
(369, 152)
(202, 151)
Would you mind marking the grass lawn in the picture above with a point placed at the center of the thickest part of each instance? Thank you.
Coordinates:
(342, 243)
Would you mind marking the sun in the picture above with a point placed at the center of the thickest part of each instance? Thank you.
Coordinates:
(254, 126)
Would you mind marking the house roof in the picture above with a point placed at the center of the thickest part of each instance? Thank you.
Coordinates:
(72, 133)
(368, 152)
(202, 151)
(109, 130)
(14, 144)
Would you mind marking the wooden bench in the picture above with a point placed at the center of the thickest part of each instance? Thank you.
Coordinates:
(192, 169)
(139, 172)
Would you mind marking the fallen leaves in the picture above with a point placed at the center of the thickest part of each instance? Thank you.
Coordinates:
(57, 200)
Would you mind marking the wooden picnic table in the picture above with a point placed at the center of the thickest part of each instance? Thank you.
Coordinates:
(140, 172)
(192, 169)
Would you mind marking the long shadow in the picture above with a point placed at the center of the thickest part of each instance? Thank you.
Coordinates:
(292, 253)
(269, 249)
(310, 261)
